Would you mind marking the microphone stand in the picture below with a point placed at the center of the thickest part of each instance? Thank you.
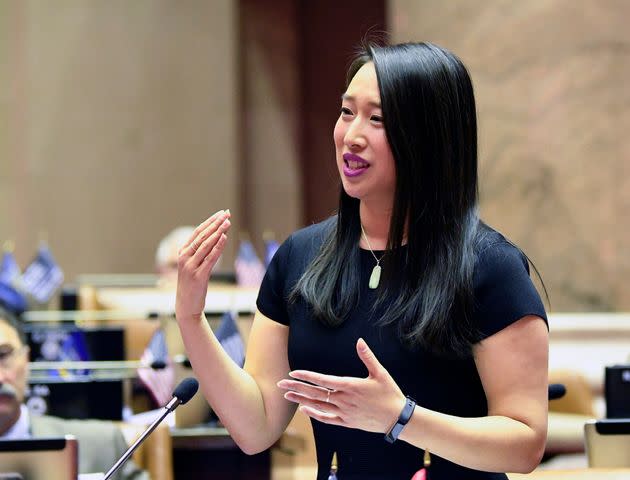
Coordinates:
(168, 408)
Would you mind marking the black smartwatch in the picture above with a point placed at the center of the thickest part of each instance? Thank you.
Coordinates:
(405, 415)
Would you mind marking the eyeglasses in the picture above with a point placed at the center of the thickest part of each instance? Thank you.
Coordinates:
(9, 355)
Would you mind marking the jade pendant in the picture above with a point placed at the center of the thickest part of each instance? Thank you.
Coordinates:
(375, 277)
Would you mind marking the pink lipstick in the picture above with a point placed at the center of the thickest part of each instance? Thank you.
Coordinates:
(354, 165)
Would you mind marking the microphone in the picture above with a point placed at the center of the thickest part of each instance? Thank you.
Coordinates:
(182, 393)
(556, 390)
(158, 365)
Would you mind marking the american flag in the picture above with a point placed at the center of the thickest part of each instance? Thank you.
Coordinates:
(229, 337)
(159, 381)
(249, 269)
(43, 276)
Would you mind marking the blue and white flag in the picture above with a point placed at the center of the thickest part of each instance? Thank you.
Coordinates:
(159, 381)
(11, 295)
(9, 268)
(43, 276)
(12, 299)
(271, 246)
(230, 339)
(248, 267)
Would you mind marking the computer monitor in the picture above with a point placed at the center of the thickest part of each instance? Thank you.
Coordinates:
(40, 458)
(75, 393)
(617, 391)
(53, 342)
(80, 398)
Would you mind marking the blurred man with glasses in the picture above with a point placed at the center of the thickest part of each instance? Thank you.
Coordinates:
(13, 377)
(101, 443)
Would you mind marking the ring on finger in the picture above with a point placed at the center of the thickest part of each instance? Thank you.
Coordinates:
(194, 246)
(328, 396)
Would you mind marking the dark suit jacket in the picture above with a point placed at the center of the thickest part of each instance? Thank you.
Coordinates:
(101, 444)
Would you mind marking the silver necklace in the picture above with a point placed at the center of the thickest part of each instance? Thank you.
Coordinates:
(375, 277)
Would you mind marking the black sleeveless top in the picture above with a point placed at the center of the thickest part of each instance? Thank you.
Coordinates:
(503, 293)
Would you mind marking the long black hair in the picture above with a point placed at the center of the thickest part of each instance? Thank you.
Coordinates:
(429, 116)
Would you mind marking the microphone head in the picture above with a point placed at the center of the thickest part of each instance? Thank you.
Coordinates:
(158, 364)
(186, 389)
(556, 390)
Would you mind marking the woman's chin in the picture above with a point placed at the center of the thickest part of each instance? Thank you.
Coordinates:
(353, 194)
(353, 190)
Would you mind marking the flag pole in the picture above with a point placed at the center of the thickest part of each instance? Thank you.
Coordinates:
(43, 237)
(8, 246)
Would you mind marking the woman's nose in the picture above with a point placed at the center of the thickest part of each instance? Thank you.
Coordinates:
(354, 137)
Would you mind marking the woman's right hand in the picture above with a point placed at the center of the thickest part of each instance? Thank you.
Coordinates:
(196, 259)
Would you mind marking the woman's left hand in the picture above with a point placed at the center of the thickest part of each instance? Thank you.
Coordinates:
(371, 404)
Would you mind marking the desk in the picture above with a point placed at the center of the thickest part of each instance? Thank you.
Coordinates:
(565, 433)
(141, 302)
(587, 342)
(583, 474)
(206, 452)
(219, 299)
(201, 453)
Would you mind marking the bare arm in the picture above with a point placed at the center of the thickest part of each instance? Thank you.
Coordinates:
(246, 400)
(512, 365)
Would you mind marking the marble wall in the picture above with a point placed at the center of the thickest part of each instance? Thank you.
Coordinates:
(552, 80)
(269, 133)
(119, 121)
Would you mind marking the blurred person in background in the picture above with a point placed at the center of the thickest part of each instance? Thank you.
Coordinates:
(168, 252)
(404, 326)
(101, 443)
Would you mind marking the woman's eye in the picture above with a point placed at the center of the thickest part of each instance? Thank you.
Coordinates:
(346, 111)
(376, 118)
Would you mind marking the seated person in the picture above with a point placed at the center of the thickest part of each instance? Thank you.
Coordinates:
(167, 254)
(101, 443)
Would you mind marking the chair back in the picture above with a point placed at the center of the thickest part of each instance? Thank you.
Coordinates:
(579, 396)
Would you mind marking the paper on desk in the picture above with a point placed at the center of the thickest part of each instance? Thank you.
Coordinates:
(91, 476)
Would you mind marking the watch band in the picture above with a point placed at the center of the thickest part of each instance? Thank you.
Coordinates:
(403, 418)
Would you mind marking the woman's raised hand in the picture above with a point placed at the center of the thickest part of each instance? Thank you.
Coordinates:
(195, 262)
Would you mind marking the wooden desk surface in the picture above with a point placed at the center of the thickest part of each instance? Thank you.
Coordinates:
(582, 474)
(220, 298)
(565, 433)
